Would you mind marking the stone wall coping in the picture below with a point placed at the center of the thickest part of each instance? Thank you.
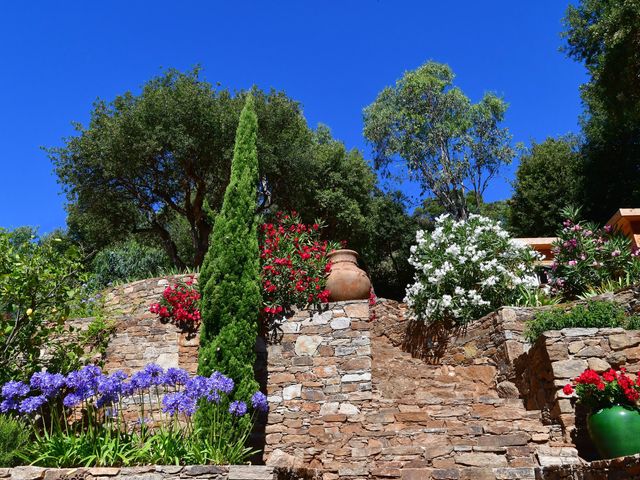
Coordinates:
(160, 472)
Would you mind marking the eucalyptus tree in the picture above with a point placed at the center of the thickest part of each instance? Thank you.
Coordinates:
(450, 145)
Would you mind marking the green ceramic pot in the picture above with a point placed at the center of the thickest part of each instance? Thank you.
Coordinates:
(615, 431)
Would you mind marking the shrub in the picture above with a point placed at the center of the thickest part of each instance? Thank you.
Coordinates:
(179, 304)
(127, 261)
(38, 283)
(79, 420)
(294, 266)
(587, 256)
(465, 269)
(595, 314)
(230, 276)
(13, 441)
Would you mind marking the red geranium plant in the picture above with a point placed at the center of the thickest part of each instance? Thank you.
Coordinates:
(179, 305)
(294, 266)
(601, 391)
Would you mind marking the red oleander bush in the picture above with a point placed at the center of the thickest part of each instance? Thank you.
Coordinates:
(179, 305)
(294, 266)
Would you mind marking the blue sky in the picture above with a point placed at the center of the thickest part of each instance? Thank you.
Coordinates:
(332, 56)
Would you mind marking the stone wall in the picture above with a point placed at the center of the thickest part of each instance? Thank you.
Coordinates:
(141, 338)
(558, 357)
(363, 393)
(319, 390)
(161, 472)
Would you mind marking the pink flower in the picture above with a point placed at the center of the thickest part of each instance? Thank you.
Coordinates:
(572, 263)
(615, 253)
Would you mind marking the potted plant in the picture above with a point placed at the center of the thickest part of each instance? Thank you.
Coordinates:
(614, 418)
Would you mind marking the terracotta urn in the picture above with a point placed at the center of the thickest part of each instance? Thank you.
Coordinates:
(346, 281)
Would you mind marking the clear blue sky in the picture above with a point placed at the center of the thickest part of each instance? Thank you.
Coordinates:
(332, 56)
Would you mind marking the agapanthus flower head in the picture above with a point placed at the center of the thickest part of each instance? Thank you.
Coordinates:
(31, 404)
(155, 373)
(48, 383)
(238, 408)
(175, 376)
(71, 400)
(259, 402)
(14, 389)
(178, 402)
(221, 383)
(9, 404)
(196, 387)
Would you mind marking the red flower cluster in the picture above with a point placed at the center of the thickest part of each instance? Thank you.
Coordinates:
(179, 304)
(599, 391)
(294, 264)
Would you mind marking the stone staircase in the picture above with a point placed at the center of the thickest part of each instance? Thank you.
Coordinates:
(448, 421)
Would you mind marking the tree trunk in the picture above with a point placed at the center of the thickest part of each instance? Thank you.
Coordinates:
(169, 246)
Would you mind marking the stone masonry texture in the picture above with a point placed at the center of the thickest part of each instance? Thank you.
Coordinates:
(361, 392)
(160, 472)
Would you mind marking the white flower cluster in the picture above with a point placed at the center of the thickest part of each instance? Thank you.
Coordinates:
(464, 269)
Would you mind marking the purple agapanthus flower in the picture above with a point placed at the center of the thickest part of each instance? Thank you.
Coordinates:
(259, 402)
(14, 390)
(196, 387)
(71, 400)
(155, 372)
(220, 382)
(238, 408)
(175, 376)
(110, 388)
(178, 402)
(48, 383)
(31, 404)
(9, 404)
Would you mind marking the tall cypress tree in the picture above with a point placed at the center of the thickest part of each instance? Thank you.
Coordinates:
(229, 278)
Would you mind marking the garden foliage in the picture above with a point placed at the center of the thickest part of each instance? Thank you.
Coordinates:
(588, 256)
(229, 280)
(14, 440)
(126, 262)
(78, 419)
(465, 269)
(294, 266)
(38, 284)
(595, 314)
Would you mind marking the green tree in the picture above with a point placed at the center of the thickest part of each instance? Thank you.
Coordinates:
(390, 233)
(230, 276)
(548, 180)
(450, 145)
(605, 36)
(155, 166)
(38, 281)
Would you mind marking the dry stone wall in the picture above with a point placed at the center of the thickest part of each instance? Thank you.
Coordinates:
(161, 472)
(558, 357)
(140, 338)
(360, 392)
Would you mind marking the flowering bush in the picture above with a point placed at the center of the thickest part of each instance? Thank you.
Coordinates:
(465, 269)
(294, 266)
(612, 388)
(179, 304)
(588, 256)
(84, 410)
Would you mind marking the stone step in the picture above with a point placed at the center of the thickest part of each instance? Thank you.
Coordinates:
(458, 473)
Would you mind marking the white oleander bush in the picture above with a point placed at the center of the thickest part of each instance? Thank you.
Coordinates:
(466, 269)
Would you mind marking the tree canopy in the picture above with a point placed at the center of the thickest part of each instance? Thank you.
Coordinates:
(605, 36)
(155, 165)
(449, 144)
(548, 179)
